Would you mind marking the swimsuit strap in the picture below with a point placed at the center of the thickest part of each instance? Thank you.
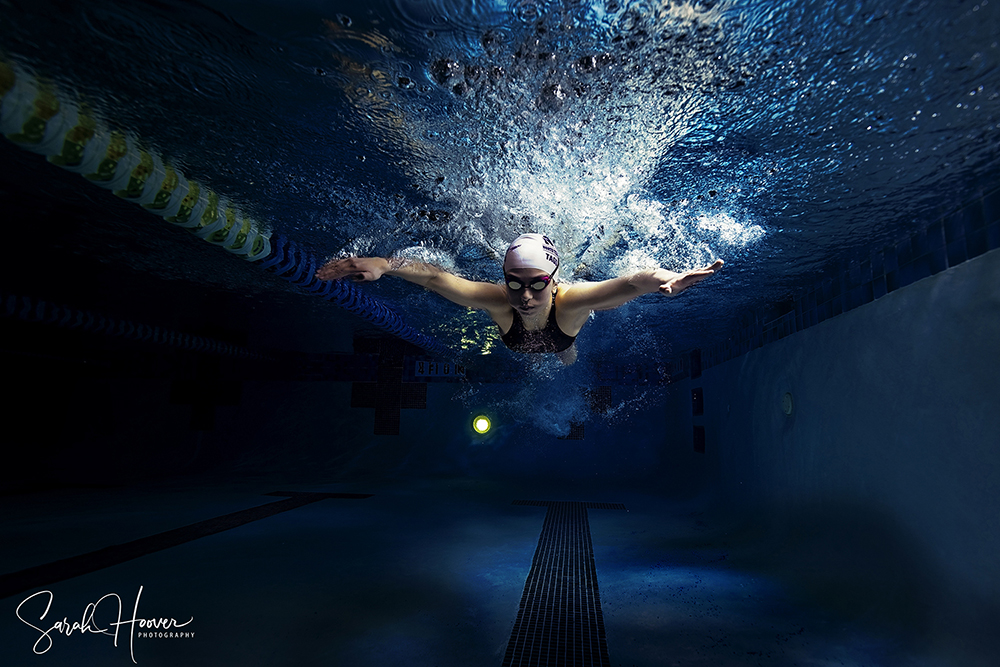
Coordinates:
(548, 339)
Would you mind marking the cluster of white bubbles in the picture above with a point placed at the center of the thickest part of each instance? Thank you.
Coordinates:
(564, 136)
(568, 145)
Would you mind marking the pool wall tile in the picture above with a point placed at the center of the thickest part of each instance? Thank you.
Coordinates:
(938, 259)
(904, 252)
(889, 257)
(976, 242)
(974, 216)
(935, 236)
(956, 252)
(695, 363)
(920, 244)
(993, 236)
(954, 227)
(879, 288)
(878, 263)
(866, 271)
(991, 207)
(892, 281)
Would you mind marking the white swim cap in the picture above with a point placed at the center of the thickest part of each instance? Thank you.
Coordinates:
(532, 251)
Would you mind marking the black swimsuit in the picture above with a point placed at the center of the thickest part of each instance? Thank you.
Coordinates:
(549, 339)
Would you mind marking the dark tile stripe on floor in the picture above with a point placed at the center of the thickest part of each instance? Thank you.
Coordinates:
(67, 568)
(559, 620)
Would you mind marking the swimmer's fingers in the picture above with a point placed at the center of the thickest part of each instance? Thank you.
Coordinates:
(685, 280)
(335, 269)
(359, 269)
(682, 282)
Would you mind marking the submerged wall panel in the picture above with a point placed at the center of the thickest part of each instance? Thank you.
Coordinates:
(870, 443)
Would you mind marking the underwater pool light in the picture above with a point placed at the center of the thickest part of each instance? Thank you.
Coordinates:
(481, 424)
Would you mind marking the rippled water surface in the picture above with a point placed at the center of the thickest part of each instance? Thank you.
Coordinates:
(781, 137)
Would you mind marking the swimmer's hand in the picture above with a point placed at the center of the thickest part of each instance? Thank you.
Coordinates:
(675, 283)
(360, 269)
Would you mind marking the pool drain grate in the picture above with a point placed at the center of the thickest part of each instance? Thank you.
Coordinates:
(559, 621)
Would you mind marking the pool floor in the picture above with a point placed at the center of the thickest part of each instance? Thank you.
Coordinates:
(426, 572)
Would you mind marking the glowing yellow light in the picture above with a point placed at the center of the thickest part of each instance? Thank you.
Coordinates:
(481, 424)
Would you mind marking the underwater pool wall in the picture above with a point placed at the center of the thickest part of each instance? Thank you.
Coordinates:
(874, 438)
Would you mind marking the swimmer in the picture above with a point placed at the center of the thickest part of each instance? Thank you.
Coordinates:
(534, 312)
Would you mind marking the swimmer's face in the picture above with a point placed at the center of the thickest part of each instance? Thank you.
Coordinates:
(527, 300)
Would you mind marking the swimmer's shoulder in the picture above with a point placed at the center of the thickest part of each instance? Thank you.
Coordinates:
(571, 313)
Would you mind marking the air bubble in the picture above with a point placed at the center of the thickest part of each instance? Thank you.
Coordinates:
(552, 97)
(492, 40)
(527, 11)
(587, 64)
(443, 69)
(473, 73)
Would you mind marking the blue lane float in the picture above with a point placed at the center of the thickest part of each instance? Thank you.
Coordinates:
(38, 117)
(298, 266)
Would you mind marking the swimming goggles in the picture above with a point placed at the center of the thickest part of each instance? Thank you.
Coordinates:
(536, 285)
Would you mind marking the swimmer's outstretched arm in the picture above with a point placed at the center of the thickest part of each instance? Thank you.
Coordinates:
(581, 298)
(483, 296)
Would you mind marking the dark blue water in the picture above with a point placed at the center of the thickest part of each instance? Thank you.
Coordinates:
(781, 137)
